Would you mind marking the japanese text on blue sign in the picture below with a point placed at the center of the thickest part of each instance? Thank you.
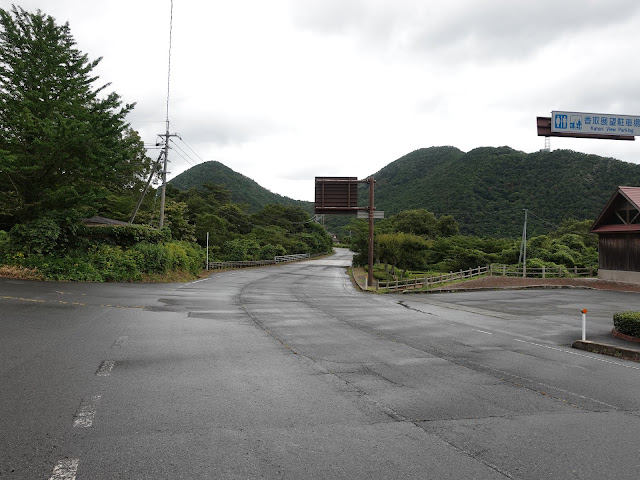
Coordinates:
(596, 123)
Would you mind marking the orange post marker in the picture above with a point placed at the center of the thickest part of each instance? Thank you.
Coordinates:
(584, 310)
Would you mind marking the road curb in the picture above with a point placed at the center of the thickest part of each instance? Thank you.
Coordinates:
(605, 349)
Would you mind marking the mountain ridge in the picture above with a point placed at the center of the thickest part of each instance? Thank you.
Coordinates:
(486, 189)
(243, 189)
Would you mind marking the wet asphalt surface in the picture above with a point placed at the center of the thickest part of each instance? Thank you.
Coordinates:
(288, 372)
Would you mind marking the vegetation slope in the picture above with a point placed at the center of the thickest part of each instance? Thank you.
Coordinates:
(243, 189)
(487, 189)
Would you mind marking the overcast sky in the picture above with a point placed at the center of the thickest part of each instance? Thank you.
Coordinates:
(286, 90)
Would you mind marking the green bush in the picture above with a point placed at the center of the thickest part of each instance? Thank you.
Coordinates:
(124, 235)
(37, 236)
(153, 258)
(269, 252)
(68, 269)
(185, 256)
(4, 246)
(627, 323)
(116, 264)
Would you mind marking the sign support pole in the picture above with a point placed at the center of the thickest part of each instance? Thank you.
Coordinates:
(371, 210)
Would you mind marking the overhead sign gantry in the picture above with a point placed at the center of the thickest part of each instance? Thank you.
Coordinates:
(589, 125)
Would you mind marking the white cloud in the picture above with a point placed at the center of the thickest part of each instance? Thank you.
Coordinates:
(285, 90)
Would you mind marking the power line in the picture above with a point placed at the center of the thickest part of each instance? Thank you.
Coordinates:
(188, 158)
(196, 153)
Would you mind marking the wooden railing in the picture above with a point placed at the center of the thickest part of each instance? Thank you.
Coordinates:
(498, 270)
(544, 272)
(427, 282)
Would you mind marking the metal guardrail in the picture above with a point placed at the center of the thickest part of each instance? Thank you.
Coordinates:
(257, 263)
(291, 258)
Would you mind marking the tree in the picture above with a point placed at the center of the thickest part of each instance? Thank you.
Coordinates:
(403, 250)
(418, 222)
(64, 143)
(447, 226)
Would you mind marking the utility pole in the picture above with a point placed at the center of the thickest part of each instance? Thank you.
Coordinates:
(167, 135)
(163, 191)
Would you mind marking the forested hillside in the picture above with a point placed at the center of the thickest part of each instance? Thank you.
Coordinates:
(487, 189)
(243, 189)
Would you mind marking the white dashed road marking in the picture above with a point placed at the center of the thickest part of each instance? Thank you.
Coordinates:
(104, 370)
(578, 354)
(65, 470)
(86, 411)
(119, 343)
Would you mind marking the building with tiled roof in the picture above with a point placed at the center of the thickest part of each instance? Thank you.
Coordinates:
(618, 229)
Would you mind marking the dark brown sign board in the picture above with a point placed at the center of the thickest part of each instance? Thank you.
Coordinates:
(337, 195)
(544, 130)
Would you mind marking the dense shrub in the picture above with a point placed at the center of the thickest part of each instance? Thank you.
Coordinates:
(241, 249)
(124, 235)
(116, 264)
(112, 263)
(4, 246)
(185, 256)
(37, 236)
(77, 269)
(627, 323)
(153, 258)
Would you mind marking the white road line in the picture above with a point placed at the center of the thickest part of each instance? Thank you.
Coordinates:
(104, 370)
(481, 331)
(191, 283)
(119, 343)
(65, 470)
(545, 385)
(578, 354)
(86, 411)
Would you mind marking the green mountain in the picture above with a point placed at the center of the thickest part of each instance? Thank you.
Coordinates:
(243, 189)
(487, 189)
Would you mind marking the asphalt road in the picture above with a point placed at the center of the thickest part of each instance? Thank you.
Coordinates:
(288, 372)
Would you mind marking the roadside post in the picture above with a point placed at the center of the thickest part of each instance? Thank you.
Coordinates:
(584, 324)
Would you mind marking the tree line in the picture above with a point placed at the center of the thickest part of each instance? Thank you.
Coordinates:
(418, 241)
(67, 153)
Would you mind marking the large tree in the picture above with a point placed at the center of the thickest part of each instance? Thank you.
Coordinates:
(64, 142)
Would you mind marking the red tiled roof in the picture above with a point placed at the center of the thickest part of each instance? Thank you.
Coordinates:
(633, 194)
